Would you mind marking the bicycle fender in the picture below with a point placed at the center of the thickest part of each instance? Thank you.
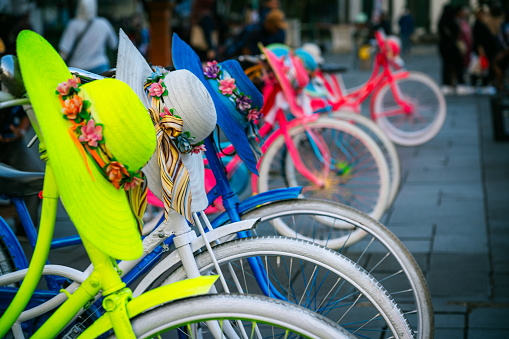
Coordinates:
(259, 199)
(161, 295)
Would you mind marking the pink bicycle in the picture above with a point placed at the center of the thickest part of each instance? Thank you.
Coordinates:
(407, 105)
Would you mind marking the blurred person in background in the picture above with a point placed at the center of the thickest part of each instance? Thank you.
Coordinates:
(86, 38)
(463, 19)
(486, 46)
(450, 47)
(406, 29)
(268, 5)
(271, 30)
(204, 31)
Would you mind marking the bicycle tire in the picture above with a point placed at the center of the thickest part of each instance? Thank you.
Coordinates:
(6, 260)
(423, 92)
(359, 177)
(367, 242)
(386, 145)
(263, 311)
(303, 273)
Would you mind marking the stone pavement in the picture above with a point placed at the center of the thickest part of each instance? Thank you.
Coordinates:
(452, 211)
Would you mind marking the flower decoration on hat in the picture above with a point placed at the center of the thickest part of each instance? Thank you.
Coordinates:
(227, 87)
(88, 136)
(170, 122)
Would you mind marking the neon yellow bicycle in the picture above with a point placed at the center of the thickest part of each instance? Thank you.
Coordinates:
(101, 212)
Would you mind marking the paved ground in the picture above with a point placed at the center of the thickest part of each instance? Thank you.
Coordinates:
(453, 211)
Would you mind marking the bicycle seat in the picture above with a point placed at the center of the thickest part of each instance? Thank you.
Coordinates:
(16, 183)
(333, 68)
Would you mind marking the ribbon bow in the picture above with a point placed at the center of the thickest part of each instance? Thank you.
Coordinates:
(174, 176)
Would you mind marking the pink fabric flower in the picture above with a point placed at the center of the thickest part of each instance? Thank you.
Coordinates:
(227, 86)
(198, 149)
(156, 89)
(72, 107)
(253, 114)
(91, 134)
(132, 184)
(165, 111)
(64, 87)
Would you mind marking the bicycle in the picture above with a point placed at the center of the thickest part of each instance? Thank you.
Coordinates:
(316, 91)
(332, 159)
(157, 235)
(407, 105)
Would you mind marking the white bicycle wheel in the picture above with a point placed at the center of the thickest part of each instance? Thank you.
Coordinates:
(248, 315)
(358, 175)
(385, 144)
(308, 275)
(426, 117)
(366, 241)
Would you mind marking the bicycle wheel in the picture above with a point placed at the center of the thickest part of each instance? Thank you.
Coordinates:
(6, 261)
(308, 275)
(427, 115)
(255, 316)
(358, 177)
(365, 241)
(385, 144)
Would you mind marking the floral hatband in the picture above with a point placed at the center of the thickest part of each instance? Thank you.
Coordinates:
(169, 121)
(227, 87)
(88, 136)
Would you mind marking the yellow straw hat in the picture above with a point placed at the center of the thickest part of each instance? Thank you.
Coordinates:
(98, 136)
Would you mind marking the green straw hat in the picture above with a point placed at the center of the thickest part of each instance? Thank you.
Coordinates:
(95, 150)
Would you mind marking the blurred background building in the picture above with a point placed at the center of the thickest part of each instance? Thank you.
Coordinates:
(327, 22)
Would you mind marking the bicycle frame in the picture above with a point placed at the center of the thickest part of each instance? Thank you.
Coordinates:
(381, 75)
(103, 277)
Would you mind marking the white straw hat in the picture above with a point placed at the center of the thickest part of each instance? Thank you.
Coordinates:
(314, 50)
(191, 102)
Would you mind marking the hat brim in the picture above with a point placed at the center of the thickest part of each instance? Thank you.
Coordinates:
(184, 57)
(276, 65)
(99, 211)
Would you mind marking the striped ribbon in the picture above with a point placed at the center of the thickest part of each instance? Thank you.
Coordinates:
(174, 176)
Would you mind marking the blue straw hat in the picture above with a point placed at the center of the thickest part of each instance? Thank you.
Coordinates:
(235, 97)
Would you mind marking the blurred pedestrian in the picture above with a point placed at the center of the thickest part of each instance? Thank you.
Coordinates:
(486, 47)
(271, 30)
(384, 24)
(86, 38)
(204, 34)
(462, 17)
(267, 6)
(406, 29)
(140, 33)
(450, 47)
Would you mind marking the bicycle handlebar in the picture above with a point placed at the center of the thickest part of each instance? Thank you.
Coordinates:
(254, 59)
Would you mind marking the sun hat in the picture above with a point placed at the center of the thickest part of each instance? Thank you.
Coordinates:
(172, 98)
(237, 109)
(314, 50)
(97, 137)
(279, 49)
